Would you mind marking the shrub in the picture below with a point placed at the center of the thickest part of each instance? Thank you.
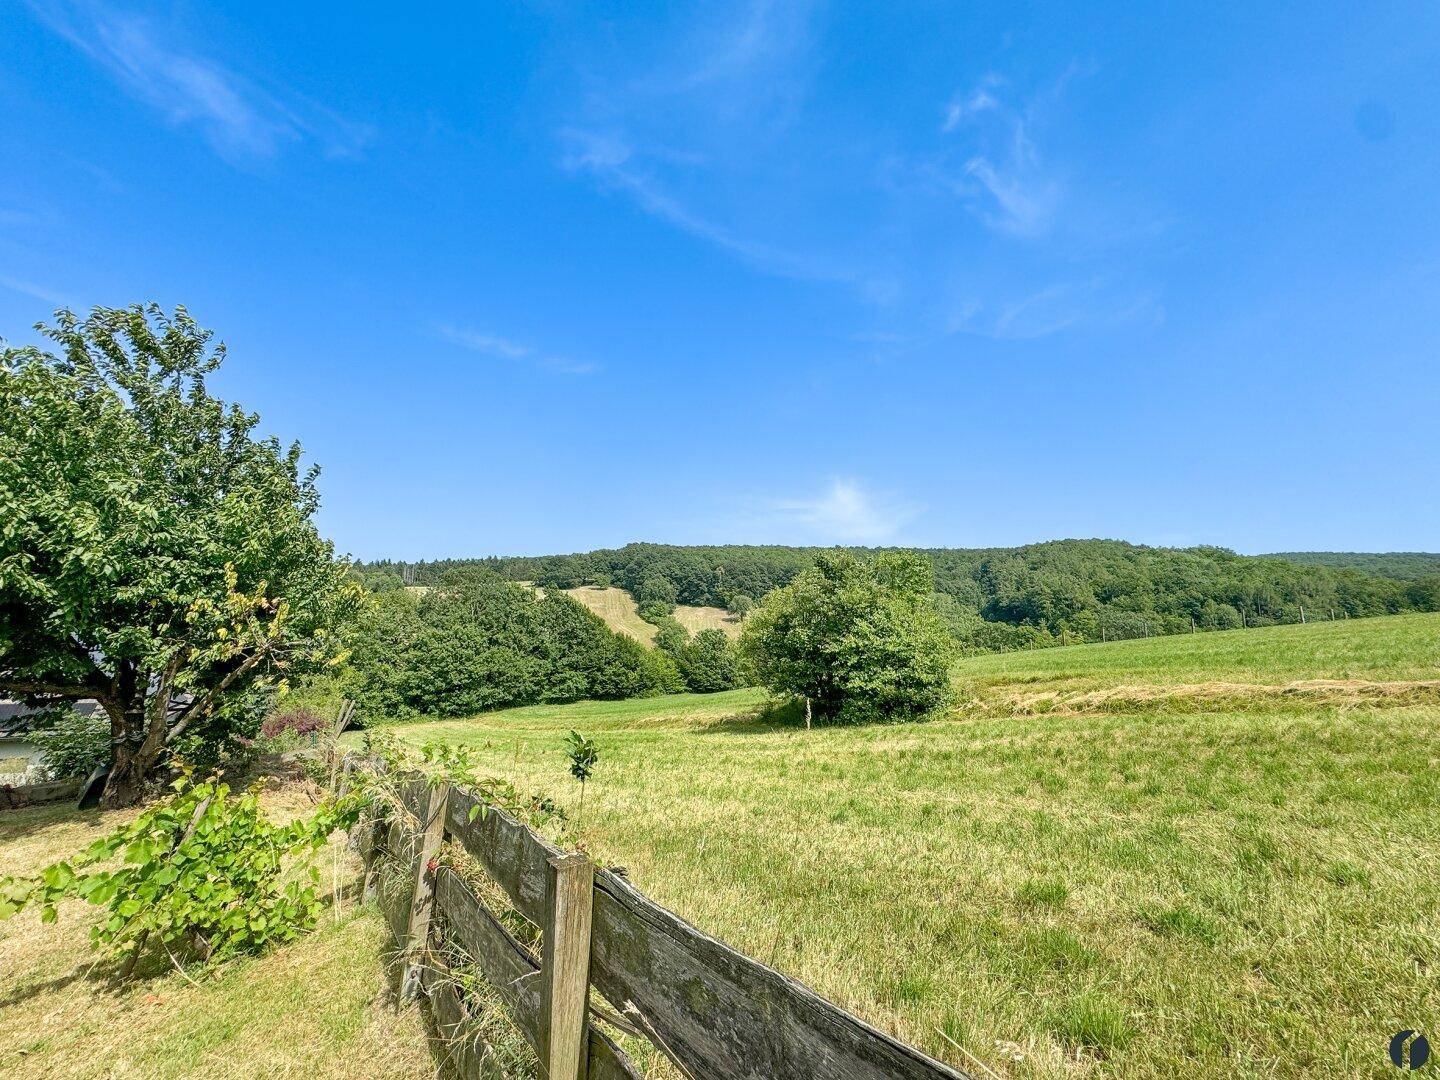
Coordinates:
(204, 871)
(860, 640)
(73, 744)
(708, 663)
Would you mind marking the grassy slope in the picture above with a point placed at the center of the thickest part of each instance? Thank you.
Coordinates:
(620, 612)
(1063, 895)
(317, 1008)
(617, 607)
(695, 619)
(1399, 647)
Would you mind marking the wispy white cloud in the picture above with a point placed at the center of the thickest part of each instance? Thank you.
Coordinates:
(35, 292)
(242, 121)
(504, 349)
(720, 102)
(977, 101)
(1057, 307)
(843, 513)
(617, 163)
(1005, 178)
(970, 221)
(1020, 204)
(486, 344)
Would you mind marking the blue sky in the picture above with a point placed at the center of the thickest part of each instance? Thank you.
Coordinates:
(546, 277)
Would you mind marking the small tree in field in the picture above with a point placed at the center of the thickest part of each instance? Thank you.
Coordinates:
(740, 605)
(154, 555)
(859, 641)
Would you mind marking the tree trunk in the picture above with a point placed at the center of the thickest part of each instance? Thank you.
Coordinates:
(131, 759)
(125, 785)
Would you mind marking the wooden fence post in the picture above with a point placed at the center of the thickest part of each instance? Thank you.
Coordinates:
(565, 968)
(417, 939)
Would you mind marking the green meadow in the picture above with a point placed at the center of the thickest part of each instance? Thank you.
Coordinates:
(1215, 854)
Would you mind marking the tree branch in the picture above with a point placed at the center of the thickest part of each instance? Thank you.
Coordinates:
(44, 689)
(202, 704)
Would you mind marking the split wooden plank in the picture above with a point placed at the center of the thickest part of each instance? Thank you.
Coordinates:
(722, 1014)
(515, 856)
(417, 939)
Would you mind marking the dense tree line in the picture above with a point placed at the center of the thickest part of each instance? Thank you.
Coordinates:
(1400, 565)
(1040, 594)
(475, 642)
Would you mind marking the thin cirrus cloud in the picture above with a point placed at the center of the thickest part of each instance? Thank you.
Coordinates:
(35, 292)
(1005, 179)
(723, 98)
(242, 121)
(618, 164)
(722, 135)
(843, 513)
(500, 348)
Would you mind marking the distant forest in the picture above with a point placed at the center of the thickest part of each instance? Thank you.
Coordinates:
(1400, 565)
(998, 598)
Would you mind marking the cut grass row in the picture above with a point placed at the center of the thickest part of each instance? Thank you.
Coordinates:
(620, 612)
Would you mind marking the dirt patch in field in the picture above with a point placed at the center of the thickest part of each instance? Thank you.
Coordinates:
(1209, 697)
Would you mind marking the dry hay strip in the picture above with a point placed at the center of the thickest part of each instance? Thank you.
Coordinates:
(1213, 697)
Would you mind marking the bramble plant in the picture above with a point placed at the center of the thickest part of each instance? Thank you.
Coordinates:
(205, 872)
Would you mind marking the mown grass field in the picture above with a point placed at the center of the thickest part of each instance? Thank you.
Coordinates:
(320, 1007)
(618, 609)
(620, 612)
(1165, 880)
(695, 619)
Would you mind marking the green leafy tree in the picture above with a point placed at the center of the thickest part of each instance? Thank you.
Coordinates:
(154, 554)
(739, 605)
(708, 663)
(656, 591)
(859, 641)
(670, 636)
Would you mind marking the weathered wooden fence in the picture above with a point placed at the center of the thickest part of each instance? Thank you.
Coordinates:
(713, 1011)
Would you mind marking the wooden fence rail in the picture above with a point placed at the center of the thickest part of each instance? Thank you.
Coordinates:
(714, 1011)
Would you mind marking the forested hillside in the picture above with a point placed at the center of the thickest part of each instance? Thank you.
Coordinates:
(1400, 565)
(1039, 594)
